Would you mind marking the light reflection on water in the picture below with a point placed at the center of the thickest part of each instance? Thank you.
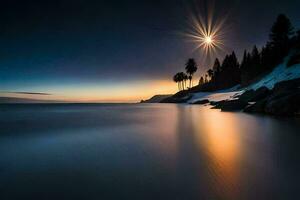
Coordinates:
(143, 151)
(220, 135)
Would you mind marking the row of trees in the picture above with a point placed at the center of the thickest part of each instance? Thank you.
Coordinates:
(255, 63)
(181, 77)
(222, 75)
(281, 40)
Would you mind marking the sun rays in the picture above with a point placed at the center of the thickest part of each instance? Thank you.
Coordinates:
(206, 31)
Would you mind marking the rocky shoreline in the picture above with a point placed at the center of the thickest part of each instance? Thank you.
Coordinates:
(282, 100)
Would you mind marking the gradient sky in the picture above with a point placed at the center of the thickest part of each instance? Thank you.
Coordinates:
(125, 50)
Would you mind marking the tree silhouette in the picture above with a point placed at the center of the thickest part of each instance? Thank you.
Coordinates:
(201, 81)
(185, 78)
(191, 68)
(176, 80)
(250, 66)
(280, 34)
(244, 67)
(230, 71)
(254, 64)
(180, 78)
(210, 73)
(217, 66)
(281, 31)
(216, 72)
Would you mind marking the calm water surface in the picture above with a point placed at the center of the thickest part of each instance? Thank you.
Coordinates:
(143, 151)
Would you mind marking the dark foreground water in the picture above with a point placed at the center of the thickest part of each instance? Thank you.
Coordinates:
(156, 151)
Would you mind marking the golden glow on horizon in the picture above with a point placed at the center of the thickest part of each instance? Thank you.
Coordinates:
(123, 92)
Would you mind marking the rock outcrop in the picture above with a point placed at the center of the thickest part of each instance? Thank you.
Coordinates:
(231, 105)
(255, 95)
(283, 99)
(179, 97)
(201, 102)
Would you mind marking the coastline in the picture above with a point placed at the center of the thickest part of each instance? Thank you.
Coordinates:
(281, 100)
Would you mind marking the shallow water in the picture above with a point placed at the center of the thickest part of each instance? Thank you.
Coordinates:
(145, 151)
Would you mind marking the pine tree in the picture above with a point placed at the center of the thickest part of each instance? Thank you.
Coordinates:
(244, 68)
(279, 39)
(281, 31)
(216, 72)
(217, 66)
(235, 69)
(201, 81)
(255, 63)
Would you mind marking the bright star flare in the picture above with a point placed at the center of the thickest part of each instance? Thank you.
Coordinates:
(207, 33)
(208, 40)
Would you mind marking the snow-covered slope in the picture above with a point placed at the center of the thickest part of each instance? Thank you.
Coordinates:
(216, 96)
(280, 73)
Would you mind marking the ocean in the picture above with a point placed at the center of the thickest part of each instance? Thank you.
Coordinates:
(145, 151)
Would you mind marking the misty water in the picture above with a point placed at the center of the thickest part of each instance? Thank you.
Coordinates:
(146, 151)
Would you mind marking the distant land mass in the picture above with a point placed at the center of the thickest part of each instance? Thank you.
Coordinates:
(156, 98)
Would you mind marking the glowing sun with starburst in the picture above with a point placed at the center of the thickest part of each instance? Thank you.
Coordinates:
(207, 33)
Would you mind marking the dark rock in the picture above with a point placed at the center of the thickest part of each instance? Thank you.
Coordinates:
(258, 107)
(260, 94)
(247, 95)
(256, 95)
(156, 98)
(180, 97)
(181, 94)
(174, 99)
(214, 107)
(202, 101)
(286, 85)
(284, 105)
(215, 103)
(283, 99)
(284, 88)
(294, 59)
(231, 105)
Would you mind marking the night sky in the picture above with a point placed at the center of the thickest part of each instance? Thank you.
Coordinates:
(115, 50)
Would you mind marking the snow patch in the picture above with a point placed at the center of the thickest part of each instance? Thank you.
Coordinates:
(280, 73)
(220, 95)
